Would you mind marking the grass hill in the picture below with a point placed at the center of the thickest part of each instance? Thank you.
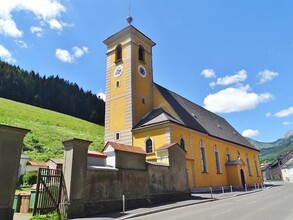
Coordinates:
(271, 151)
(48, 129)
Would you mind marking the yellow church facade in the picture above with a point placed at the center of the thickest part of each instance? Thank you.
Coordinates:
(142, 113)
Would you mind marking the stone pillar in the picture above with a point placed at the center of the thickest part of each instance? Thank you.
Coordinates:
(11, 141)
(75, 168)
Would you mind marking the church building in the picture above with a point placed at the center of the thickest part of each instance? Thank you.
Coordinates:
(142, 113)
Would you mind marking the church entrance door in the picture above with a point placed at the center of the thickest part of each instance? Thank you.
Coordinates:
(242, 178)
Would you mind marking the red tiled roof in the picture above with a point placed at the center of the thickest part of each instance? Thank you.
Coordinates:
(166, 146)
(96, 154)
(124, 147)
(39, 164)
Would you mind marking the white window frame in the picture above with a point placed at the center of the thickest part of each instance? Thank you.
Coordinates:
(228, 153)
(153, 145)
(182, 139)
(203, 157)
(256, 167)
(248, 165)
(217, 160)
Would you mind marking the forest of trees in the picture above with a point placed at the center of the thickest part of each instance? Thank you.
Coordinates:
(51, 92)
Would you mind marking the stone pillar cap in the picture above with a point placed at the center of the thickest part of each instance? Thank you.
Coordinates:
(13, 129)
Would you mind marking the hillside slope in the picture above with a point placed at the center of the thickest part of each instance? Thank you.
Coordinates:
(48, 129)
(270, 151)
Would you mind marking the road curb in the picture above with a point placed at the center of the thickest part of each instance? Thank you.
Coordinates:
(245, 193)
(185, 205)
(165, 209)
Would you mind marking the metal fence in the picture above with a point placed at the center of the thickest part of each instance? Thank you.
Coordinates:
(51, 194)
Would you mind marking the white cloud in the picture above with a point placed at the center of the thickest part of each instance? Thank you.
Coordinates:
(54, 24)
(64, 56)
(283, 113)
(266, 75)
(38, 31)
(5, 55)
(287, 123)
(250, 133)
(268, 114)
(8, 27)
(235, 100)
(70, 57)
(78, 52)
(102, 95)
(240, 76)
(21, 44)
(208, 73)
(45, 11)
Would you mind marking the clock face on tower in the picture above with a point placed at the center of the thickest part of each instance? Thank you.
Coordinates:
(142, 71)
(118, 71)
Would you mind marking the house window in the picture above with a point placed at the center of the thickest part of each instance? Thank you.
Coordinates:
(203, 158)
(217, 159)
(149, 146)
(256, 167)
(117, 84)
(117, 136)
(143, 101)
(118, 53)
(228, 155)
(248, 165)
(182, 143)
(141, 53)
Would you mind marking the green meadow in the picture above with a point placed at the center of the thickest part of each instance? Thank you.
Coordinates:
(48, 129)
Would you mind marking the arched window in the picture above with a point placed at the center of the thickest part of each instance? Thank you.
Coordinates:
(141, 53)
(217, 159)
(238, 155)
(118, 53)
(228, 154)
(203, 157)
(248, 165)
(182, 143)
(149, 146)
(256, 167)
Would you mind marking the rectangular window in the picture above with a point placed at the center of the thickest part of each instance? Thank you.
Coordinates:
(143, 101)
(117, 84)
(218, 167)
(117, 136)
(203, 160)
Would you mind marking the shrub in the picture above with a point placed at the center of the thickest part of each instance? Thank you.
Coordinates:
(29, 178)
(53, 216)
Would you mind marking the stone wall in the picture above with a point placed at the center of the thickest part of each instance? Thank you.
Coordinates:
(103, 188)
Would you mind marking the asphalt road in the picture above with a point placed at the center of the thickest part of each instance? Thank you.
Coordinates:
(275, 203)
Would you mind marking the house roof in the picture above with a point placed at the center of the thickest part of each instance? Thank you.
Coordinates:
(96, 154)
(156, 116)
(194, 117)
(289, 162)
(56, 160)
(39, 164)
(124, 148)
(129, 29)
(167, 146)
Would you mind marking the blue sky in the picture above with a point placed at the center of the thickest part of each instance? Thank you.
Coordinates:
(235, 58)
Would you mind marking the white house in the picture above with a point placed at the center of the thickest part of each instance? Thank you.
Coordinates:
(289, 165)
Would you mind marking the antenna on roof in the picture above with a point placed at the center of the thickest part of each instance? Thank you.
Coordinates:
(129, 19)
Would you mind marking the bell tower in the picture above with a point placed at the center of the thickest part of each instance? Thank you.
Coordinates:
(129, 82)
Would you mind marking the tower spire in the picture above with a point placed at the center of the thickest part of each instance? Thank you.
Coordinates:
(129, 19)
